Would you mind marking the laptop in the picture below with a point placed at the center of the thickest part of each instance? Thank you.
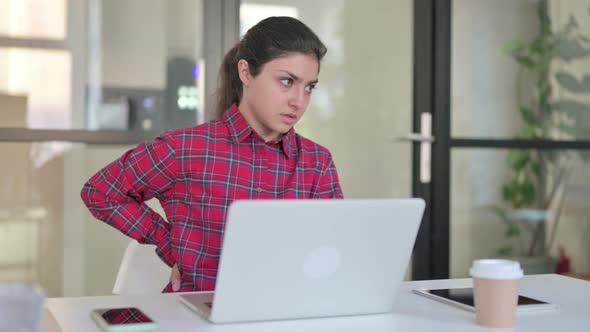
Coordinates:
(291, 259)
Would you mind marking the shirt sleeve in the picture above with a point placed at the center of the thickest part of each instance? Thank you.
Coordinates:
(329, 184)
(117, 193)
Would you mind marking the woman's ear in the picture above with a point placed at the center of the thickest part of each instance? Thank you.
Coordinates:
(244, 72)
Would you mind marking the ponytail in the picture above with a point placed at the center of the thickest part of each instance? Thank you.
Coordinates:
(229, 89)
(269, 39)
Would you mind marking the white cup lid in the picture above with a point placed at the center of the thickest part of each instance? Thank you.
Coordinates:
(496, 269)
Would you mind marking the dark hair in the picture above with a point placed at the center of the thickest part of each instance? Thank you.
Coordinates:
(271, 38)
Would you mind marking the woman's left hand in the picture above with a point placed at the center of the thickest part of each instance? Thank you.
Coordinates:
(175, 278)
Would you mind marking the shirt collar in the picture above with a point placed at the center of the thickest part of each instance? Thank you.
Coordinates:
(237, 125)
(239, 130)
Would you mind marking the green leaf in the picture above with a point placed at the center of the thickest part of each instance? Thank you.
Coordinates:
(512, 230)
(551, 155)
(570, 83)
(532, 131)
(538, 46)
(528, 193)
(525, 61)
(505, 250)
(507, 193)
(570, 106)
(527, 115)
(520, 190)
(578, 114)
(586, 83)
(575, 132)
(518, 159)
(513, 47)
(572, 24)
(571, 49)
(536, 168)
(500, 213)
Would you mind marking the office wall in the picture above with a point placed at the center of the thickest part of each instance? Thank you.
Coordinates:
(133, 43)
(138, 36)
(31, 215)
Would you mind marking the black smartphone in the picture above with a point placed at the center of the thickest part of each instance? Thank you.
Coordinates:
(123, 320)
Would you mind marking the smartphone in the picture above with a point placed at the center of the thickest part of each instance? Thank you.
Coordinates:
(463, 298)
(123, 320)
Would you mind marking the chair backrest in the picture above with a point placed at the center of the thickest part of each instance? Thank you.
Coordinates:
(141, 271)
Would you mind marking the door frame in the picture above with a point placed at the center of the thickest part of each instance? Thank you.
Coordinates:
(432, 48)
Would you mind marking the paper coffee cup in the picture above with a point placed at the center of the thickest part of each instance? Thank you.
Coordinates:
(495, 287)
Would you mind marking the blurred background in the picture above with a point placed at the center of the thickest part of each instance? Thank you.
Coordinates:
(82, 81)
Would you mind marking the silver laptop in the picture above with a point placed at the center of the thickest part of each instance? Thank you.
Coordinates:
(286, 259)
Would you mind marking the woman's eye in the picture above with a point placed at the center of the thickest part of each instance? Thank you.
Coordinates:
(287, 82)
(310, 88)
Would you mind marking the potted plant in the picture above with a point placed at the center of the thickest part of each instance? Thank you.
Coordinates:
(537, 180)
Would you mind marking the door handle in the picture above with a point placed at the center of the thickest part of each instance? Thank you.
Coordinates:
(415, 137)
(425, 139)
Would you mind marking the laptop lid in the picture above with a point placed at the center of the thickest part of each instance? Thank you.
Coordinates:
(285, 259)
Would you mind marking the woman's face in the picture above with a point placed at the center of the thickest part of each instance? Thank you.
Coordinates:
(275, 100)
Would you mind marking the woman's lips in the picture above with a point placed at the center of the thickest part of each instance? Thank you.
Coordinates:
(289, 119)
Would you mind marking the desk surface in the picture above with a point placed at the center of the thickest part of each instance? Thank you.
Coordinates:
(411, 312)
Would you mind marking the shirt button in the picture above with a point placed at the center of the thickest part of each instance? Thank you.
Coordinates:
(259, 190)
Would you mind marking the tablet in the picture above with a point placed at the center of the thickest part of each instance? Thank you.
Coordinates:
(463, 298)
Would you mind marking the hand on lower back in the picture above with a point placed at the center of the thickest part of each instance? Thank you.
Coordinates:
(175, 278)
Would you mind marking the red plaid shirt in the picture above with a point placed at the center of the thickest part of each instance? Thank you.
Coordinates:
(196, 173)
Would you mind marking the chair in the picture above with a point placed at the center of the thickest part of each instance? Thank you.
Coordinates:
(141, 271)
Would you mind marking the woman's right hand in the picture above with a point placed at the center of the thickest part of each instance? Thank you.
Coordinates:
(175, 278)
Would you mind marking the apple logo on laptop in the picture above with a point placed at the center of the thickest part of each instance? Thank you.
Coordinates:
(321, 263)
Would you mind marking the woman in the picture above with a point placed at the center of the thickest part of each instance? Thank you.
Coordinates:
(251, 152)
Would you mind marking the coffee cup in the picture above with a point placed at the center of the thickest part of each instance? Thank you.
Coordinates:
(495, 286)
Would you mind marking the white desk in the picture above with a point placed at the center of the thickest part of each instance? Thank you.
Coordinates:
(411, 313)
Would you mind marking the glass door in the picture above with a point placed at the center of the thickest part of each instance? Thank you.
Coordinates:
(515, 116)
